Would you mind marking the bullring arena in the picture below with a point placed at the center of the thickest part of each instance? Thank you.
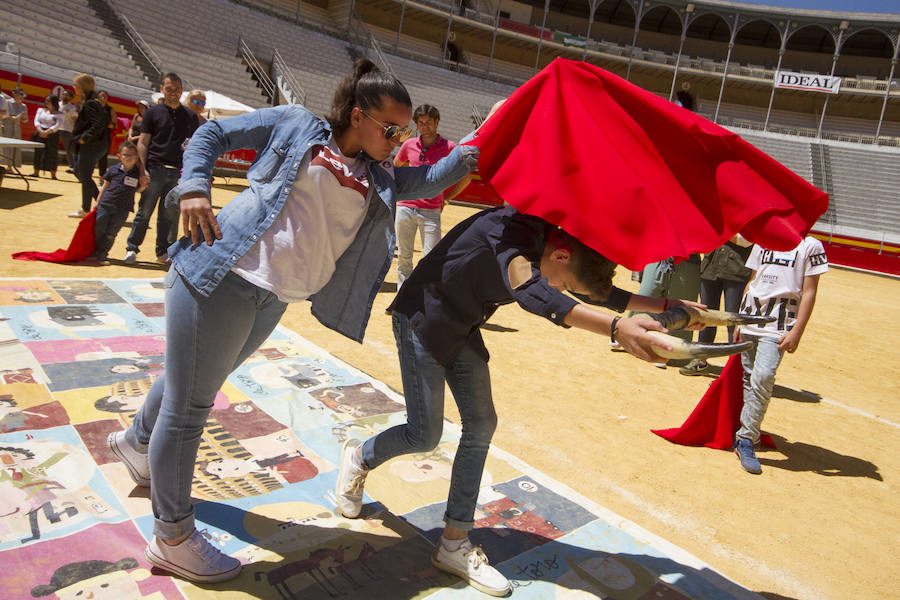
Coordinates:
(612, 502)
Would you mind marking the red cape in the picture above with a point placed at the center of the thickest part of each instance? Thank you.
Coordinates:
(81, 246)
(633, 175)
(718, 415)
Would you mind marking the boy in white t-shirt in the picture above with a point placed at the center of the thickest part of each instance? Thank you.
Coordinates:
(783, 285)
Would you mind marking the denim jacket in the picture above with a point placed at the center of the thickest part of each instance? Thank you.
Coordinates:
(281, 137)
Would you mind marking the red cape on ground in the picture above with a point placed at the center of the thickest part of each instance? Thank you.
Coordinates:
(718, 415)
(81, 246)
(634, 176)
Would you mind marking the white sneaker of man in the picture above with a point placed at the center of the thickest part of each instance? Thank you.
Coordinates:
(137, 462)
(130, 257)
(351, 480)
(194, 559)
(78, 214)
(470, 563)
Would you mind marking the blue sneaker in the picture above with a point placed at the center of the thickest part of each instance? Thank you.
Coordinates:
(743, 449)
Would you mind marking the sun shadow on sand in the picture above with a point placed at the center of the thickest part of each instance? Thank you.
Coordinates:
(815, 459)
(11, 199)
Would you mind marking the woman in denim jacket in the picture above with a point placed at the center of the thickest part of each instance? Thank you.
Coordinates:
(316, 223)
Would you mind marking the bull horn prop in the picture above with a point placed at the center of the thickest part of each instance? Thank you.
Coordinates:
(679, 317)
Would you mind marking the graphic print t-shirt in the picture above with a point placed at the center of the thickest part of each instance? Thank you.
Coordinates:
(296, 256)
(776, 288)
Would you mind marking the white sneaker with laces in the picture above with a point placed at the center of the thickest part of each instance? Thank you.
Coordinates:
(137, 462)
(130, 257)
(194, 559)
(350, 482)
(78, 214)
(470, 563)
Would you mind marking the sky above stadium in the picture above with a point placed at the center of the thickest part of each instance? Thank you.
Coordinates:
(876, 6)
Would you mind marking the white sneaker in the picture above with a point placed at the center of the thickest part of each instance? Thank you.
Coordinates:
(130, 257)
(163, 259)
(470, 563)
(350, 482)
(78, 214)
(137, 462)
(195, 559)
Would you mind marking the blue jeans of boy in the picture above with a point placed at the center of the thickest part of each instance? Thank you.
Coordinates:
(409, 220)
(206, 339)
(162, 180)
(760, 363)
(423, 386)
(106, 228)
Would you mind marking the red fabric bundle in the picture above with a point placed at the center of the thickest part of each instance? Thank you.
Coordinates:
(81, 246)
(633, 175)
(718, 415)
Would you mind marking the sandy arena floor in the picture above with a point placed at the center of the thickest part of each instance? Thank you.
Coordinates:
(822, 521)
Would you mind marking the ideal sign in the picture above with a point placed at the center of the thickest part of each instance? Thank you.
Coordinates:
(809, 82)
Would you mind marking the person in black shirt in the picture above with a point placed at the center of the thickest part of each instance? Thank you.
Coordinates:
(495, 257)
(89, 134)
(116, 200)
(164, 131)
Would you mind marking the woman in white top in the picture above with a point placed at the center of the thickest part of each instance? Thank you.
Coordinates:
(47, 121)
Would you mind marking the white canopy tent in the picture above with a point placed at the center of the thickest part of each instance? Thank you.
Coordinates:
(217, 105)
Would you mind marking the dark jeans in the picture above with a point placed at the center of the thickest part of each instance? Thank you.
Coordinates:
(66, 137)
(106, 228)
(88, 155)
(47, 158)
(162, 180)
(711, 291)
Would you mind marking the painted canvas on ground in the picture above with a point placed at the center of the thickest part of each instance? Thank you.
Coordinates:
(77, 358)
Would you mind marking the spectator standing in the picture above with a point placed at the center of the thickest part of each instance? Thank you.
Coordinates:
(134, 130)
(47, 121)
(783, 284)
(722, 272)
(164, 130)
(196, 102)
(69, 115)
(14, 115)
(424, 214)
(89, 135)
(103, 163)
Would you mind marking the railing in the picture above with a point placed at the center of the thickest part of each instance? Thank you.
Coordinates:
(283, 72)
(811, 132)
(476, 116)
(265, 82)
(359, 35)
(142, 45)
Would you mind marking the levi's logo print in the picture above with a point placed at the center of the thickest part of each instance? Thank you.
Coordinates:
(324, 157)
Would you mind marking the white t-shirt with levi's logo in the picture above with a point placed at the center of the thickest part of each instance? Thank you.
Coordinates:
(327, 204)
(777, 287)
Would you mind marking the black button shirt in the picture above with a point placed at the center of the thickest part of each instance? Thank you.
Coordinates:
(168, 128)
(457, 286)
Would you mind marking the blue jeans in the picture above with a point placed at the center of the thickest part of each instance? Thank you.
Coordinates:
(409, 220)
(760, 363)
(106, 228)
(423, 386)
(206, 339)
(162, 180)
(88, 156)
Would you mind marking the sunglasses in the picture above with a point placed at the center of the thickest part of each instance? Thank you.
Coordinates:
(395, 133)
(200, 102)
